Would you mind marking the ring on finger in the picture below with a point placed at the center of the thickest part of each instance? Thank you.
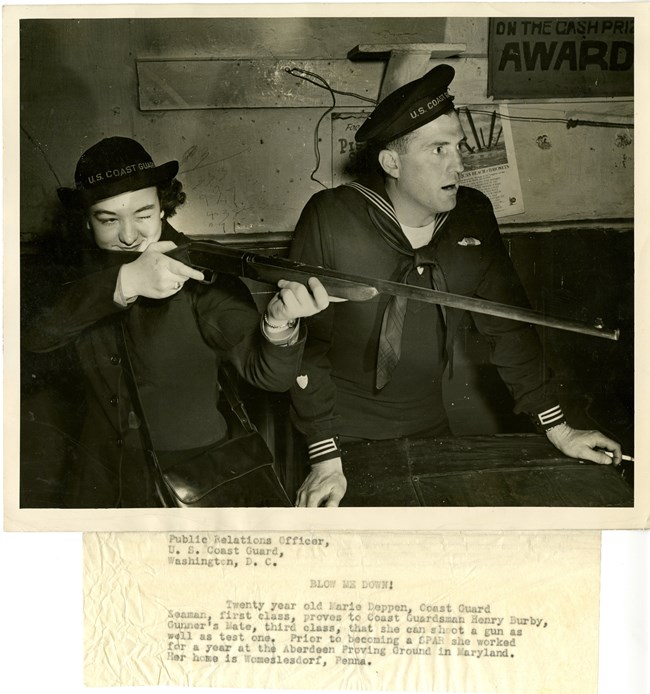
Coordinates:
(177, 285)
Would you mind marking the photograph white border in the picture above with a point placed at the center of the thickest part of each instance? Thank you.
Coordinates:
(342, 518)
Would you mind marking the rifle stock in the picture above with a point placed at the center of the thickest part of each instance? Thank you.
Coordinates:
(216, 258)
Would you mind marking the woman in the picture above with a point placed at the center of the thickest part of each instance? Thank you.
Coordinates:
(151, 337)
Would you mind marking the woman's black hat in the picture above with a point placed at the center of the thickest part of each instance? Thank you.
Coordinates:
(113, 166)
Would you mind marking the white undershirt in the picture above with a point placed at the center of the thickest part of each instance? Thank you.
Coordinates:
(419, 236)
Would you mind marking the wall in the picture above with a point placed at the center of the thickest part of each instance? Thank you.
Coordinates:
(247, 167)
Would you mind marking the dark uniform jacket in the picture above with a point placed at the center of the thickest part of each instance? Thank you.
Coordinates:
(175, 347)
(335, 393)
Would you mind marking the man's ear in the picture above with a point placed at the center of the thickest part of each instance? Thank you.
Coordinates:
(389, 162)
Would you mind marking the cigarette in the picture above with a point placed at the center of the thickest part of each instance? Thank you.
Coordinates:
(624, 457)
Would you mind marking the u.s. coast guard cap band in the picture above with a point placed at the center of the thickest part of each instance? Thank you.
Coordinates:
(409, 107)
(113, 166)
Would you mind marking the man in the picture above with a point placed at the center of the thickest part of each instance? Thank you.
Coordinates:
(373, 370)
(149, 320)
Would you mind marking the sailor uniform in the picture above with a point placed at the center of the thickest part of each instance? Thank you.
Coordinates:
(354, 229)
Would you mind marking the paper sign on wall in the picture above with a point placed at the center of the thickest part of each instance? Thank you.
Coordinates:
(489, 157)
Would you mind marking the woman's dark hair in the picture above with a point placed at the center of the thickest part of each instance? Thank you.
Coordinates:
(67, 223)
(171, 196)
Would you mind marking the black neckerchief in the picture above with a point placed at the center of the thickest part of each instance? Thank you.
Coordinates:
(384, 218)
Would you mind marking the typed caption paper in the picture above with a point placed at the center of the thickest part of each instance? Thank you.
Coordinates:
(420, 611)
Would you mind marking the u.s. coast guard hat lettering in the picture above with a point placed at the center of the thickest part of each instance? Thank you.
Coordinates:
(410, 106)
(113, 166)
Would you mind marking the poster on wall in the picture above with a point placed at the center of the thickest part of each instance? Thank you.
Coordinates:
(568, 57)
(488, 154)
(489, 157)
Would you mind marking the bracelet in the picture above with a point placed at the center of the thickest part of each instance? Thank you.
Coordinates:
(282, 326)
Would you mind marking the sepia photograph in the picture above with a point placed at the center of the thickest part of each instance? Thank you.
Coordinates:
(285, 260)
(265, 260)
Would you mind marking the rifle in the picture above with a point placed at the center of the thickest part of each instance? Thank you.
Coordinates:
(213, 258)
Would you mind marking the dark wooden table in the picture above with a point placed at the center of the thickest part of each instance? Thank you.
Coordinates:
(504, 470)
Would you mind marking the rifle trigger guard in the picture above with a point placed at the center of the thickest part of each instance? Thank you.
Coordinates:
(182, 254)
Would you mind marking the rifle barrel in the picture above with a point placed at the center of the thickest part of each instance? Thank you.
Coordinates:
(207, 255)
